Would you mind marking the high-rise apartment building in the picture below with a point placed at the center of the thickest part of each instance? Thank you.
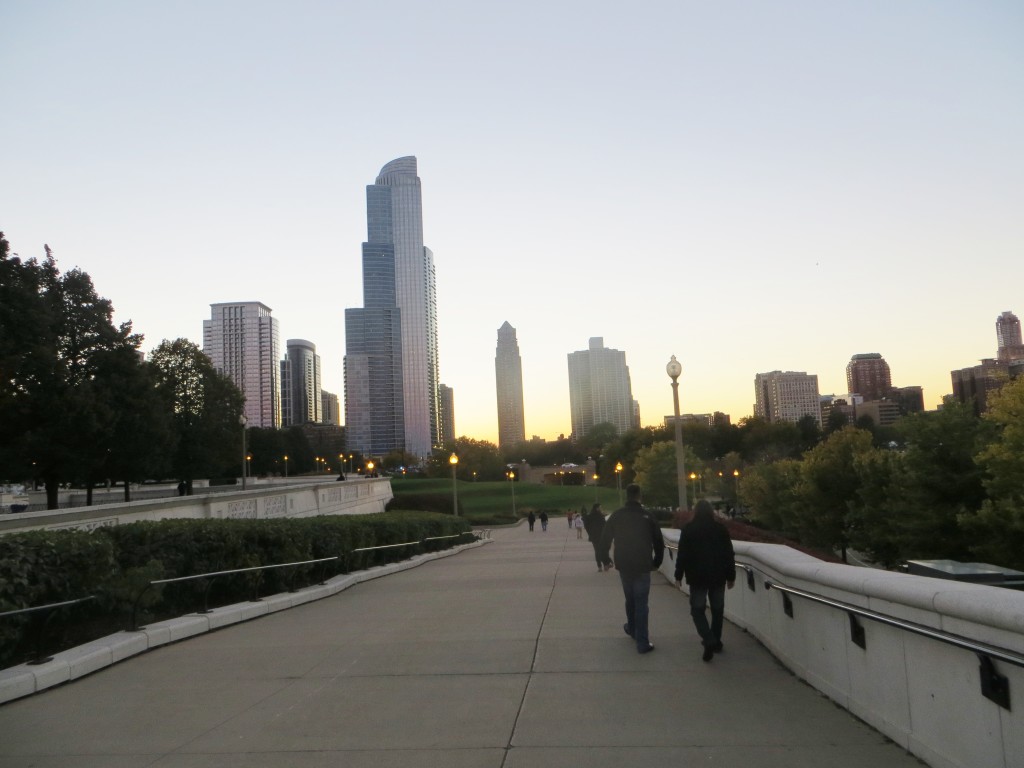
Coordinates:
(786, 396)
(391, 361)
(508, 377)
(241, 338)
(300, 384)
(1008, 336)
(868, 375)
(330, 410)
(599, 390)
(446, 414)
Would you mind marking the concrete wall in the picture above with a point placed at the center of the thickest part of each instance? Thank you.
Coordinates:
(922, 693)
(305, 499)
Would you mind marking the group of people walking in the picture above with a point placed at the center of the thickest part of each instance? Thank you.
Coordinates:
(704, 559)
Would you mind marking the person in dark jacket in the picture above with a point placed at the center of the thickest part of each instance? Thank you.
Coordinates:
(593, 521)
(706, 559)
(639, 549)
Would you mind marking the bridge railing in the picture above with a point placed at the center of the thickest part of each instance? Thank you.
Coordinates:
(931, 663)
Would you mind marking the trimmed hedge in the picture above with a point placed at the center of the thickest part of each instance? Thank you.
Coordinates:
(116, 563)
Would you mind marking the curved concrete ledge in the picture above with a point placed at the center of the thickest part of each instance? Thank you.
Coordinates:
(26, 679)
(353, 497)
(922, 693)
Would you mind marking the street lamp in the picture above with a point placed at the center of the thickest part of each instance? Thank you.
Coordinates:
(369, 468)
(674, 369)
(454, 461)
(596, 478)
(618, 480)
(736, 489)
(242, 420)
(248, 463)
(512, 482)
(693, 476)
(286, 466)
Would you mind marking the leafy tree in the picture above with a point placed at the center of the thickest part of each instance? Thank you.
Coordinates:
(939, 482)
(763, 441)
(997, 531)
(828, 488)
(207, 409)
(770, 491)
(55, 332)
(655, 468)
(878, 514)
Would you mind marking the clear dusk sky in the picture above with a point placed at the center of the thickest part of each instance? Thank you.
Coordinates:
(749, 186)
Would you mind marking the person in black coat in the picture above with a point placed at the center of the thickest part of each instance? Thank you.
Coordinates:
(593, 522)
(639, 549)
(706, 560)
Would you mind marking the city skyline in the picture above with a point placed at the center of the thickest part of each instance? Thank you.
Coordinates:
(750, 188)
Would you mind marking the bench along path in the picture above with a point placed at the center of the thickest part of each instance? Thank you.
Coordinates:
(511, 654)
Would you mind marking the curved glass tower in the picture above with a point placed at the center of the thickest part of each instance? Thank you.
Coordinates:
(391, 367)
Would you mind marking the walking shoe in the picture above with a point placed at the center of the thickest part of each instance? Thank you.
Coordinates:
(709, 652)
(625, 628)
(646, 649)
(718, 647)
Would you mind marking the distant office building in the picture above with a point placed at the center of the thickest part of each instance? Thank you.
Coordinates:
(508, 378)
(600, 390)
(241, 338)
(909, 399)
(883, 413)
(786, 396)
(973, 385)
(704, 419)
(391, 363)
(330, 410)
(300, 384)
(1008, 337)
(446, 414)
(868, 375)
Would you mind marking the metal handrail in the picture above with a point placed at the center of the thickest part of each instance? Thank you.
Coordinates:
(260, 568)
(211, 576)
(918, 629)
(51, 609)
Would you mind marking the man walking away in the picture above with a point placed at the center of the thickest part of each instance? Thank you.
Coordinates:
(639, 549)
(706, 559)
(594, 524)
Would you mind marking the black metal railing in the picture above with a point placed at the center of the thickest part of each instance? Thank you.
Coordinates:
(40, 619)
(42, 614)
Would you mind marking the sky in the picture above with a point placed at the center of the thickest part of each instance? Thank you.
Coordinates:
(749, 186)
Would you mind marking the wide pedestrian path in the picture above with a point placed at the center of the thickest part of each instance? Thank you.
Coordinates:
(510, 654)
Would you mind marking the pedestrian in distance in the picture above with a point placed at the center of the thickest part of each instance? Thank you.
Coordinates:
(593, 522)
(531, 519)
(543, 520)
(568, 518)
(705, 558)
(577, 523)
(639, 549)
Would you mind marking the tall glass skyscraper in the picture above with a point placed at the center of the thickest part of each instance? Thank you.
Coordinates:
(391, 366)
(300, 384)
(508, 375)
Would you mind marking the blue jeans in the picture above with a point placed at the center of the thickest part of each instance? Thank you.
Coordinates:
(637, 589)
(700, 597)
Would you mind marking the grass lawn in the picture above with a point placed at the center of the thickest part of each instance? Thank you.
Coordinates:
(490, 503)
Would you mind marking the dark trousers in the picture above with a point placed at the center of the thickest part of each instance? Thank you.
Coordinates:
(700, 598)
(637, 589)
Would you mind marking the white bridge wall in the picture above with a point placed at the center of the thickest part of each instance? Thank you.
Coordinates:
(922, 693)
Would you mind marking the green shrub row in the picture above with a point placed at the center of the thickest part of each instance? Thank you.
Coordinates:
(116, 565)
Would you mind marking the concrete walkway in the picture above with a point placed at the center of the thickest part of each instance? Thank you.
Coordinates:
(511, 654)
